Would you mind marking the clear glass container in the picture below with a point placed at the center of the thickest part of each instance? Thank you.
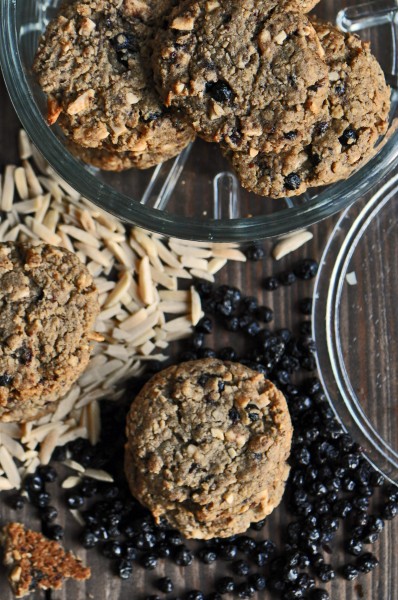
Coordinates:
(195, 196)
(356, 324)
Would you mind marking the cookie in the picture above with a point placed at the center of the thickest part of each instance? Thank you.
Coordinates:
(48, 307)
(93, 64)
(110, 160)
(36, 563)
(353, 117)
(244, 72)
(207, 445)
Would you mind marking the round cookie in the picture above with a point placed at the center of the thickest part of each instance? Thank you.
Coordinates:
(207, 445)
(343, 139)
(93, 63)
(48, 306)
(243, 72)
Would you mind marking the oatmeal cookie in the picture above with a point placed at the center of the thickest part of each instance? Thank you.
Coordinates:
(36, 563)
(93, 63)
(207, 445)
(353, 117)
(48, 306)
(246, 73)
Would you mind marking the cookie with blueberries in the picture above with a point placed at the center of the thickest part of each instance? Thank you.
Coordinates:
(245, 73)
(353, 117)
(207, 447)
(48, 307)
(93, 64)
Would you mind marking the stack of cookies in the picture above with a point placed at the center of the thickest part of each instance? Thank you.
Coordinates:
(292, 101)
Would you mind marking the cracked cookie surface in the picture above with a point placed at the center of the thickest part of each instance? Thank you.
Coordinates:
(353, 117)
(93, 64)
(245, 73)
(207, 445)
(48, 306)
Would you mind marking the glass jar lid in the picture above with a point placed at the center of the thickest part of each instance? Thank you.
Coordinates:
(356, 325)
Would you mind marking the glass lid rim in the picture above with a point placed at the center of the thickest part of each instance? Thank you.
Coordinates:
(325, 318)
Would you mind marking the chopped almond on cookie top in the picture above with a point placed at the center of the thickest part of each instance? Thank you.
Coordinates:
(36, 562)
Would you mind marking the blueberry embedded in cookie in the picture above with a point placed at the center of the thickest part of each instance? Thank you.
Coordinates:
(207, 447)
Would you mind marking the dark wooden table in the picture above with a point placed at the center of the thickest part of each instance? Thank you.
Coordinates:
(381, 585)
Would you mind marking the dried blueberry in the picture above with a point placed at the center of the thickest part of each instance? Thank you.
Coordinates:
(349, 572)
(165, 585)
(233, 414)
(5, 380)
(220, 91)
(290, 135)
(367, 562)
(292, 181)
(321, 128)
(254, 252)
(271, 284)
(349, 137)
(305, 306)
(306, 269)
(225, 585)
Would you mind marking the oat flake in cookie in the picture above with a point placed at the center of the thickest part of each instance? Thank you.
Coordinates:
(353, 117)
(93, 63)
(207, 445)
(246, 73)
(48, 305)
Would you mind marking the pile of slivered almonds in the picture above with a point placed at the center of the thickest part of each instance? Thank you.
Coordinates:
(145, 303)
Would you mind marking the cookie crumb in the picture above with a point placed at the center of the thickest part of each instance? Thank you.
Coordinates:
(37, 563)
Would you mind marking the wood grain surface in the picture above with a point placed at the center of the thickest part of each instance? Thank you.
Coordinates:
(381, 585)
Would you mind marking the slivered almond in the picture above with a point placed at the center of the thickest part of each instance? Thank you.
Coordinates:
(45, 234)
(120, 288)
(216, 264)
(24, 145)
(34, 186)
(229, 254)
(70, 482)
(72, 464)
(80, 235)
(166, 256)
(190, 250)
(9, 467)
(169, 282)
(81, 103)
(21, 183)
(184, 23)
(177, 324)
(196, 307)
(291, 243)
(7, 196)
(145, 281)
(5, 484)
(199, 274)
(193, 262)
(99, 475)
